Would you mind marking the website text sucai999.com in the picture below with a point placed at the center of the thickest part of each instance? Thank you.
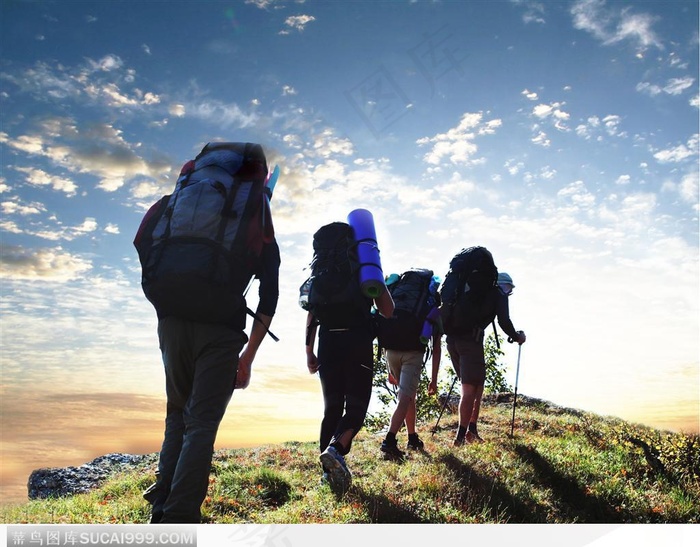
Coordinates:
(123, 535)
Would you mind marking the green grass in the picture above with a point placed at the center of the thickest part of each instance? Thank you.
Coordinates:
(561, 466)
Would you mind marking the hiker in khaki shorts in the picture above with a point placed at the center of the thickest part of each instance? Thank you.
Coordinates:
(408, 338)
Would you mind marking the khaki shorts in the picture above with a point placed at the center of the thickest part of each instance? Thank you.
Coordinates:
(406, 367)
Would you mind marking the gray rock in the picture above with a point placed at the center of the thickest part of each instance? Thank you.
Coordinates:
(66, 481)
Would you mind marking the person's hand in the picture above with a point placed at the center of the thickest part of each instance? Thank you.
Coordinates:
(392, 380)
(243, 374)
(432, 388)
(312, 363)
(521, 338)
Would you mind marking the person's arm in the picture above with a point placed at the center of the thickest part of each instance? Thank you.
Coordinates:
(245, 360)
(311, 360)
(267, 304)
(385, 303)
(503, 314)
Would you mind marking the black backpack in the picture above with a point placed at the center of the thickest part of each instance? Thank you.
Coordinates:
(332, 291)
(415, 296)
(200, 246)
(472, 275)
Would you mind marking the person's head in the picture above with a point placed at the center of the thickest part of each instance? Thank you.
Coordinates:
(505, 283)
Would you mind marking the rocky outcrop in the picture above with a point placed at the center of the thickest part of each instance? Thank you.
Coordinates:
(66, 481)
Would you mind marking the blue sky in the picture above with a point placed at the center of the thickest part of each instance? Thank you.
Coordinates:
(561, 135)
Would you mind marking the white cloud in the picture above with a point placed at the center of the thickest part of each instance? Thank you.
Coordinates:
(553, 111)
(102, 82)
(41, 264)
(674, 86)
(299, 22)
(25, 143)
(225, 115)
(108, 63)
(44, 80)
(577, 194)
(679, 153)
(636, 28)
(589, 15)
(611, 122)
(177, 110)
(530, 95)
(326, 144)
(513, 167)
(262, 4)
(548, 173)
(648, 88)
(541, 139)
(89, 225)
(611, 25)
(14, 206)
(594, 125)
(51, 229)
(39, 177)
(457, 144)
(97, 149)
(640, 204)
(294, 142)
(114, 96)
(687, 189)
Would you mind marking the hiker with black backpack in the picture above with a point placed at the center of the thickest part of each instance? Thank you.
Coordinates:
(408, 338)
(341, 313)
(199, 248)
(473, 296)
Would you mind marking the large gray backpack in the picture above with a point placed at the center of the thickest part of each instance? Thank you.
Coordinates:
(199, 246)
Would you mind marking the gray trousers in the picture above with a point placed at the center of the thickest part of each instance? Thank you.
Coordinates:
(201, 362)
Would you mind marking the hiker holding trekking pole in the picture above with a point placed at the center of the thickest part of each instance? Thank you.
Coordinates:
(476, 294)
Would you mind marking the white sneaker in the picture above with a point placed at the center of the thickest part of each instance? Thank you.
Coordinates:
(334, 464)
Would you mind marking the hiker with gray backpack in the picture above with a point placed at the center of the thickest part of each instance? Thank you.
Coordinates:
(408, 338)
(199, 249)
(473, 295)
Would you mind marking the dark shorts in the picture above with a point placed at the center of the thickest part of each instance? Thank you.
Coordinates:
(467, 356)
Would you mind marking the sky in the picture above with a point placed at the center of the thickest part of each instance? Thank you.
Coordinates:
(561, 135)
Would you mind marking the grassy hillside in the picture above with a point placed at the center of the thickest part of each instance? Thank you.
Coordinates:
(561, 466)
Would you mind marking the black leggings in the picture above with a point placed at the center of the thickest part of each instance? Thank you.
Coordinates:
(346, 364)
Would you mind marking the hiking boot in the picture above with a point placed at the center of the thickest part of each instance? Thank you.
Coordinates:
(414, 442)
(334, 465)
(459, 441)
(156, 496)
(473, 437)
(391, 451)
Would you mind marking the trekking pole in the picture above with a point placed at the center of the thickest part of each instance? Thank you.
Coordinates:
(515, 395)
(447, 399)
